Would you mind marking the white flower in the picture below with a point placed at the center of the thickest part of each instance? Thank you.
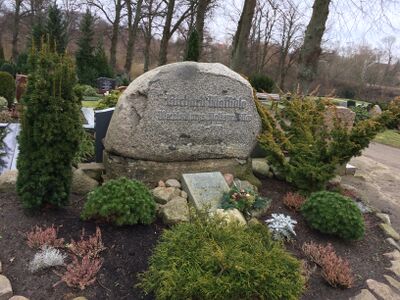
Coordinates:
(281, 226)
(46, 258)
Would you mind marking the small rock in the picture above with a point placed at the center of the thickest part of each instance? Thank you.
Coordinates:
(164, 194)
(1, 268)
(375, 111)
(260, 167)
(389, 230)
(335, 181)
(364, 295)
(184, 194)
(82, 183)
(395, 268)
(256, 213)
(93, 170)
(19, 298)
(80, 298)
(393, 243)
(351, 170)
(395, 255)
(173, 183)
(5, 288)
(161, 183)
(229, 179)
(175, 211)
(382, 290)
(244, 185)
(393, 282)
(8, 181)
(230, 216)
(384, 217)
(363, 208)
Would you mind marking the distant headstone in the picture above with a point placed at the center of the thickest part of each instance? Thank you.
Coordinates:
(182, 118)
(205, 190)
(105, 84)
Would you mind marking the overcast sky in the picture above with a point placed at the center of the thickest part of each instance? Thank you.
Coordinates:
(350, 21)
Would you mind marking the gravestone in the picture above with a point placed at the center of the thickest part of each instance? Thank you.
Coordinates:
(182, 118)
(205, 190)
(105, 84)
(102, 121)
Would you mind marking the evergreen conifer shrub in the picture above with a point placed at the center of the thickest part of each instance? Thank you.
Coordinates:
(7, 87)
(206, 259)
(51, 130)
(121, 201)
(193, 51)
(335, 214)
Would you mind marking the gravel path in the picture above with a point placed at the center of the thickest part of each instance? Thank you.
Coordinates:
(378, 179)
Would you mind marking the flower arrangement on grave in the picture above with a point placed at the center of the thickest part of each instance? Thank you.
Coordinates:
(245, 200)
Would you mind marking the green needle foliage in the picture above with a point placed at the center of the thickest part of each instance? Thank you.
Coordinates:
(335, 214)
(85, 61)
(121, 201)
(193, 52)
(51, 130)
(205, 259)
(7, 87)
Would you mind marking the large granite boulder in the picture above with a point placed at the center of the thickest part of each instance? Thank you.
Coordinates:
(185, 113)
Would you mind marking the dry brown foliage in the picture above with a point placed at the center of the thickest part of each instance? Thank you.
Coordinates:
(348, 193)
(39, 237)
(91, 247)
(335, 270)
(293, 201)
(80, 274)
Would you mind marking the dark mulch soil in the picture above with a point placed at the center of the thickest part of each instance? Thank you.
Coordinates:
(128, 249)
(365, 256)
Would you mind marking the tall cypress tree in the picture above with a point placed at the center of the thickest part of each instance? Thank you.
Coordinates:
(56, 29)
(101, 62)
(193, 52)
(50, 132)
(86, 67)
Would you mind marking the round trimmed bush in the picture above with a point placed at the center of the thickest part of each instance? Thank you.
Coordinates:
(121, 201)
(7, 87)
(208, 260)
(262, 83)
(335, 214)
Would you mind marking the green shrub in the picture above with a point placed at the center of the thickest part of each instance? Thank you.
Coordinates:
(207, 260)
(7, 87)
(9, 67)
(262, 83)
(50, 132)
(86, 149)
(390, 118)
(335, 214)
(303, 149)
(121, 201)
(361, 113)
(109, 100)
(83, 90)
(193, 46)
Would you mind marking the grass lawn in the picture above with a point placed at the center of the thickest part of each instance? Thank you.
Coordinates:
(389, 137)
(92, 104)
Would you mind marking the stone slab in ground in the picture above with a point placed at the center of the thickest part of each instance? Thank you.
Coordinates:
(382, 290)
(5, 288)
(364, 295)
(205, 190)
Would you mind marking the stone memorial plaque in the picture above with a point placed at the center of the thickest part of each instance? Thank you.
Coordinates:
(205, 190)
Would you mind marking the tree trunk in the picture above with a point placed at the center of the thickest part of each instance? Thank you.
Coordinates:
(132, 33)
(240, 41)
(162, 58)
(200, 18)
(115, 33)
(311, 49)
(17, 18)
(146, 65)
